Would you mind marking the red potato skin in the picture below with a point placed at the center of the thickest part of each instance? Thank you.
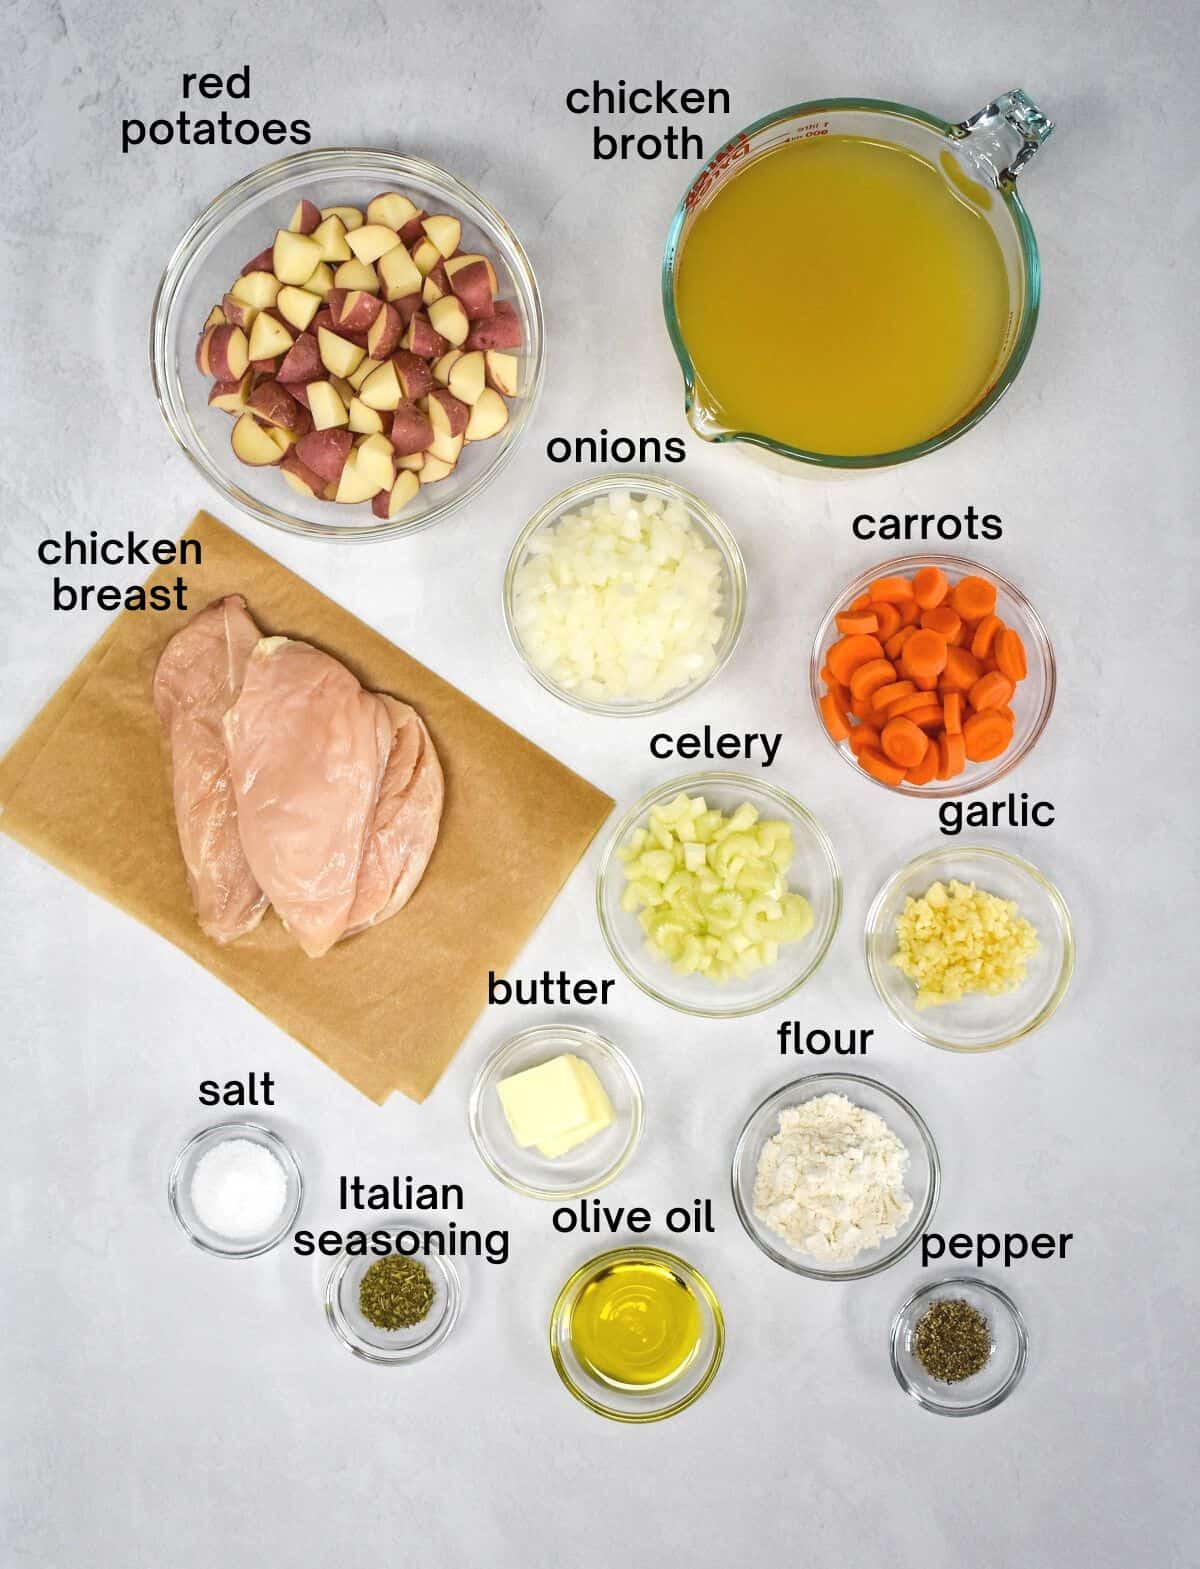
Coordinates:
(295, 465)
(275, 404)
(411, 430)
(325, 318)
(473, 287)
(355, 311)
(263, 262)
(416, 378)
(407, 305)
(325, 452)
(437, 276)
(379, 503)
(302, 362)
(422, 340)
(223, 389)
(457, 412)
(502, 331)
(412, 230)
(310, 217)
(237, 314)
(299, 391)
(384, 334)
(218, 352)
(265, 367)
(203, 345)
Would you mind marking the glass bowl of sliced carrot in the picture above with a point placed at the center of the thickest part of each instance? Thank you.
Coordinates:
(932, 675)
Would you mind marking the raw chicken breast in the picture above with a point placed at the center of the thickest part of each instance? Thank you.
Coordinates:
(197, 679)
(405, 826)
(307, 751)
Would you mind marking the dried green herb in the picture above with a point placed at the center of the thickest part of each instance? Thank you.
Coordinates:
(952, 1340)
(395, 1293)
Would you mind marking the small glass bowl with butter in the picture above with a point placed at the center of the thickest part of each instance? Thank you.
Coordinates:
(978, 1021)
(547, 1132)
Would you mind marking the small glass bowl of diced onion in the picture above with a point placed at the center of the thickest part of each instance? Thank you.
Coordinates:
(746, 912)
(624, 594)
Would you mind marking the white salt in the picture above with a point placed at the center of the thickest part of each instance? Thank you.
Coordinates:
(239, 1189)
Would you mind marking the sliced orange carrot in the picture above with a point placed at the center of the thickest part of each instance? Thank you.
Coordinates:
(930, 587)
(962, 670)
(843, 693)
(889, 620)
(952, 756)
(929, 717)
(986, 735)
(990, 691)
(879, 767)
(897, 641)
(952, 712)
(861, 736)
(862, 710)
(923, 657)
(910, 613)
(861, 603)
(944, 620)
(845, 656)
(892, 589)
(1005, 712)
(834, 717)
(868, 678)
(857, 621)
(984, 635)
(885, 696)
(1010, 656)
(973, 597)
(925, 769)
(903, 743)
(906, 705)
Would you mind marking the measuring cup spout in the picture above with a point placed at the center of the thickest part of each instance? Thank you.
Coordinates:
(1004, 136)
(701, 413)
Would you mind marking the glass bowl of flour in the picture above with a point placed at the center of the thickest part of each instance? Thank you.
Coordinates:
(835, 1176)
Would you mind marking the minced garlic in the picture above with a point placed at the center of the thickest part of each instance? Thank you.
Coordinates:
(957, 940)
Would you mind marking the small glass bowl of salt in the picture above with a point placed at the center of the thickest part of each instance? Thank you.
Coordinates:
(236, 1189)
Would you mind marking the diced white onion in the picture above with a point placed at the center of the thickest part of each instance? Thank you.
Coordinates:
(621, 602)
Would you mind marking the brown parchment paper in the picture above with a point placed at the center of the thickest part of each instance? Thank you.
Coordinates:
(87, 787)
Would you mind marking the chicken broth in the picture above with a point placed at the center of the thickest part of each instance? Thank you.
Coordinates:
(843, 296)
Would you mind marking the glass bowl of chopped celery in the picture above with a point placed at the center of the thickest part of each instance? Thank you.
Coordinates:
(970, 948)
(719, 894)
(624, 594)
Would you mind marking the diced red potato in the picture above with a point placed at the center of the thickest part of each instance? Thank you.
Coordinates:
(299, 476)
(302, 362)
(502, 331)
(416, 378)
(272, 401)
(260, 263)
(473, 286)
(385, 332)
(305, 217)
(412, 430)
(423, 340)
(325, 452)
(446, 414)
(361, 351)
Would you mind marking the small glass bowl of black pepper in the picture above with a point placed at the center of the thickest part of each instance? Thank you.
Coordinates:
(440, 1304)
(950, 1342)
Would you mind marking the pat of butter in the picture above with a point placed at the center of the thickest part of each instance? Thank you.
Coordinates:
(556, 1106)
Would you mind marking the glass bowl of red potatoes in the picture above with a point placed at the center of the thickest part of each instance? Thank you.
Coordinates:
(932, 675)
(380, 391)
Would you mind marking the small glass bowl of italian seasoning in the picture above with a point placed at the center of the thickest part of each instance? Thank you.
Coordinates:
(959, 1346)
(394, 1308)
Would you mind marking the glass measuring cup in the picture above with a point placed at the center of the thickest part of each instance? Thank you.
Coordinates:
(981, 156)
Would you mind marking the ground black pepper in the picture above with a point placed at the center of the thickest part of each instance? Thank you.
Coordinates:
(952, 1340)
(395, 1293)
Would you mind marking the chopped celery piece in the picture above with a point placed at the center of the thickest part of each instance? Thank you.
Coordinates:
(712, 889)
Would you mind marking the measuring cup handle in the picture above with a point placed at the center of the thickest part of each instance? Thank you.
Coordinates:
(1006, 134)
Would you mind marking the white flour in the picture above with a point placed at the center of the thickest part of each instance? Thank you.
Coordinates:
(831, 1181)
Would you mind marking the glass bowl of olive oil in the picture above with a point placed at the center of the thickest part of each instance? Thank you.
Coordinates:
(637, 1334)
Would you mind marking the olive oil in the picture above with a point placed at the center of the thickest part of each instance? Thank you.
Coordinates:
(636, 1324)
(844, 296)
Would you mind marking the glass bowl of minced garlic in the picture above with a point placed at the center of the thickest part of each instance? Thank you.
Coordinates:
(970, 948)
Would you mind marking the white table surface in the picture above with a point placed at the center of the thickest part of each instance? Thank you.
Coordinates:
(161, 1408)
